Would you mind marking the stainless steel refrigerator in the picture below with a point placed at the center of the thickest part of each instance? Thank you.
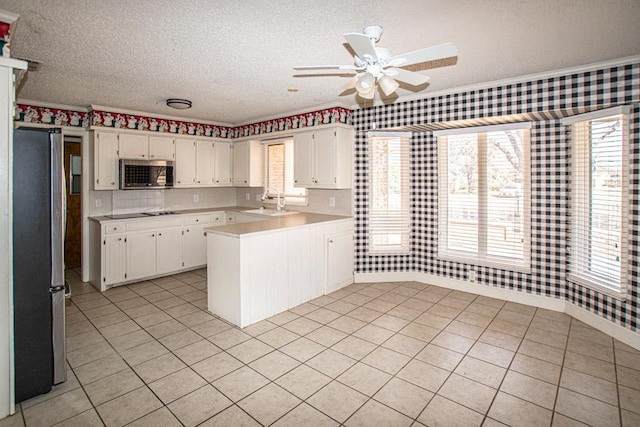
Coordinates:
(38, 261)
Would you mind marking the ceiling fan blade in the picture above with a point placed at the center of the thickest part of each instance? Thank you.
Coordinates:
(362, 46)
(445, 50)
(410, 77)
(327, 67)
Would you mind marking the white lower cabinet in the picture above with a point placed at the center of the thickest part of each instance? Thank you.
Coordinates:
(114, 259)
(141, 255)
(339, 261)
(169, 249)
(141, 249)
(194, 246)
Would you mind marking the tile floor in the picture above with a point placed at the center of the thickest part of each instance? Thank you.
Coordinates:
(383, 354)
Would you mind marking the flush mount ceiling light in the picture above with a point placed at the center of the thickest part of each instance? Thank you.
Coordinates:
(374, 66)
(179, 104)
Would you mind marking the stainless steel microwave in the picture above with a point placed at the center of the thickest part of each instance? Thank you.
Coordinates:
(146, 174)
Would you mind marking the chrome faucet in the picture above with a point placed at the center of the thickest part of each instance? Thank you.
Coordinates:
(279, 203)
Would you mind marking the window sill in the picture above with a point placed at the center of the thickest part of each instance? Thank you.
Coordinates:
(470, 259)
(620, 295)
(288, 203)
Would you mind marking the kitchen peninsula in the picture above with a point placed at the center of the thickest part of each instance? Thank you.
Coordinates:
(258, 269)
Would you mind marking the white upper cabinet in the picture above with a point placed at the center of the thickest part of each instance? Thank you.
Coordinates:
(105, 161)
(161, 148)
(145, 147)
(323, 158)
(133, 146)
(204, 163)
(248, 159)
(222, 163)
(185, 167)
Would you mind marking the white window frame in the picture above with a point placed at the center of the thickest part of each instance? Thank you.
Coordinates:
(290, 199)
(479, 257)
(580, 217)
(392, 222)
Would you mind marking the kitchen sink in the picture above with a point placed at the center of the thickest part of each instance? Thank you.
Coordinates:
(269, 212)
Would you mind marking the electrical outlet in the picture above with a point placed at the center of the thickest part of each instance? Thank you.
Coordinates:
(196, 198)
(471, 275)
(332, 202)
(258, 198)
(247, 196)
(98, 203)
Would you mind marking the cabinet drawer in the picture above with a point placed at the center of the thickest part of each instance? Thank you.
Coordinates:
(216, 218)
(113, 228)
(154, 224)
(196, 219)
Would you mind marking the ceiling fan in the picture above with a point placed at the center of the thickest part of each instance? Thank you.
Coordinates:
(376, 65)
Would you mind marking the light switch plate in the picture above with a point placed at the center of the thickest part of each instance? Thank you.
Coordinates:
(196, 198)
(332, 202)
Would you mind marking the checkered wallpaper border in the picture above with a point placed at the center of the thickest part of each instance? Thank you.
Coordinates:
(550, 178)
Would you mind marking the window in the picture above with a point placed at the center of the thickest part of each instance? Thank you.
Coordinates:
(599, 194)
(389, 192)
(483, 195)
(279, 172)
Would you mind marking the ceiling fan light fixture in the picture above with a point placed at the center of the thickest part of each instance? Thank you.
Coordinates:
(369, 94)
(365, 83)
(388, 85)
(179, 104)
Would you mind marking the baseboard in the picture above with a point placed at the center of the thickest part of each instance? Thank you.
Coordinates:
(600, 323)
(610, 328)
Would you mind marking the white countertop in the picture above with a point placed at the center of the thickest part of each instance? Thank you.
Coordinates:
(261, 225)
(236, 209)
(296, 220)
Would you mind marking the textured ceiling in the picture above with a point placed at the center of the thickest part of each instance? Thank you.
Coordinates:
(234, 59)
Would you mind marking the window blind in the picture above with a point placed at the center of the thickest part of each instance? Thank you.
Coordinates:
(484, 195)
(389, 220)
(279, 170)
(599, 194)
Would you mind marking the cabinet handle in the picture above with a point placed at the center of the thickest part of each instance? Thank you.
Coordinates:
(330, 241)
(151, 155)
(179, 182)
(119, 239)
(198, 182)
(245, 181)
(217, 181)
(113, 183)
(159, 234)
(143, 155)
(153, 235)
(197, 220)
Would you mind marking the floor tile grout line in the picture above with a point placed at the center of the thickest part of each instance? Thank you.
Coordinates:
(377, 346)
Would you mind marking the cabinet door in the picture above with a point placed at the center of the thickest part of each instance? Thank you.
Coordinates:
(339, 261)
(302, 159)
(169, 250)
(222, 163)
(141, 255)
(114, 259)
(241, 164)
(324, 155)
(204, 153)
(161, 148)
(185, 167)
(105, 161)
(133, 146)
(194, 241)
